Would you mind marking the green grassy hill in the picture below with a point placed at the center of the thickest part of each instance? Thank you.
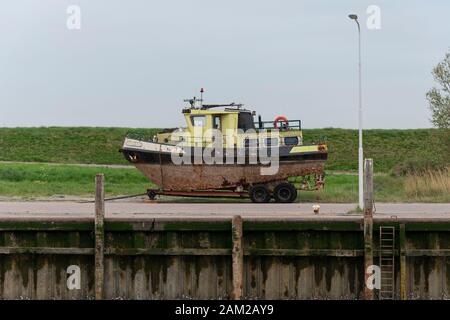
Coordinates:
(388, 148)
(65, 144)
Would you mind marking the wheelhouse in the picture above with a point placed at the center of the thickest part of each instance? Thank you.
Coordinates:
(236, 126)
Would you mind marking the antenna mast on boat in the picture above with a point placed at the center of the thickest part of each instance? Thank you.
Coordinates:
(196, 103)
(201, 96)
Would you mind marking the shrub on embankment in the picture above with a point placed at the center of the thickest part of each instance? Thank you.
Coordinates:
(388, 148)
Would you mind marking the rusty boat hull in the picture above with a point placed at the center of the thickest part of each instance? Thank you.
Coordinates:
(204, 177)
(155, 162)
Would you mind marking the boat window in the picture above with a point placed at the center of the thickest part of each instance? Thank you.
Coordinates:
(271, 141)
(216, 122)
(291, 141)
(198, 121)
(245, 121)
(251, 143)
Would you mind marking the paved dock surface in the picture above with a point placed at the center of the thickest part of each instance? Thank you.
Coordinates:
(139, 210)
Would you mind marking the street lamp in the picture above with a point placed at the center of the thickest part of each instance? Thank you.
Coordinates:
(360, 148)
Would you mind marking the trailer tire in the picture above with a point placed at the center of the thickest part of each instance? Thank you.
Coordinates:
(151, 194)
(259, 194)
(285, 192)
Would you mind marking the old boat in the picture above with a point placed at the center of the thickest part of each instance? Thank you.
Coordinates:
(243, 141)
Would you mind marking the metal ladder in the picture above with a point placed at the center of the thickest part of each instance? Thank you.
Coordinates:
(386, 256)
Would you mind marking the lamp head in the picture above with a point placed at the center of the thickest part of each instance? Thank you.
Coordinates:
(353, 16)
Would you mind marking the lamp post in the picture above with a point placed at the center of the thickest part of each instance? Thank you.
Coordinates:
(360, 147)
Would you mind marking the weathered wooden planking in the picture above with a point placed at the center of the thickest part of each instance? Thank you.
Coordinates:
(290, 263)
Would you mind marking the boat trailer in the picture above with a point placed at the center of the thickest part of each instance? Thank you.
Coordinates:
(306, 183)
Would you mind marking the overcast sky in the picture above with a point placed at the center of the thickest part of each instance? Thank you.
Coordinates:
(133, 62)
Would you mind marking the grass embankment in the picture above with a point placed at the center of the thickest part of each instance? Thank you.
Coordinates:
(402, 161)
(34, 180)
(388, 148)
(65, 144)
(43, 180)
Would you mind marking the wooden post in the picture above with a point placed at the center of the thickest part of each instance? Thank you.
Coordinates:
(368, 187)
(368, 224)
(403, 267)
(99, 234)
(237, 257)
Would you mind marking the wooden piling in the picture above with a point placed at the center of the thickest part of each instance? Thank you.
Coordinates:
(99, 235)
(368, 188)
(368, 224)
(237, 258)
(403, 266)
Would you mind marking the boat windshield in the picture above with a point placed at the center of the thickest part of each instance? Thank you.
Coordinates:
(245, 121)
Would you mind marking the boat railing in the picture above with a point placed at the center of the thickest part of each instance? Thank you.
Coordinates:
(288, 125)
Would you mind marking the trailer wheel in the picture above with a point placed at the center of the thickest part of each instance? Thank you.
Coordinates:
(285, 193)
(259, 194)
(151, 194)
